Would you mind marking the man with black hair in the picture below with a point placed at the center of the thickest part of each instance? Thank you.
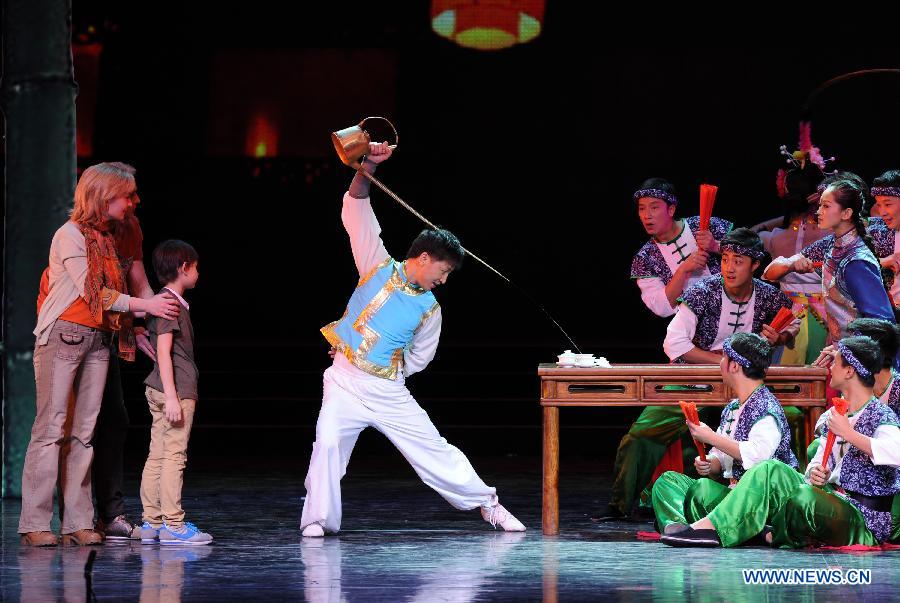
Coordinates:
(711, 310)
(886, 232)
(753, 428)
(389, 331)
(719, 306)
(678, 252)
(842, 500)
(887, 382)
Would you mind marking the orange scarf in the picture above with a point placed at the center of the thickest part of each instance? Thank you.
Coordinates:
(105, 279)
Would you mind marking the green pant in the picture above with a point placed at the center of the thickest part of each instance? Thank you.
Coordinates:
(774, 493)
(678, 498)
(643, 447)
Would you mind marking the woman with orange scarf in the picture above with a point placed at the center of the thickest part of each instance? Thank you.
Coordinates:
(85, 307)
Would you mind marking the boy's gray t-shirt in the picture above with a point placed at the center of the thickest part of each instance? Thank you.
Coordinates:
(183, 364)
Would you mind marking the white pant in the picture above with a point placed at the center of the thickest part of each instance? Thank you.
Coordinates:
(353, 400)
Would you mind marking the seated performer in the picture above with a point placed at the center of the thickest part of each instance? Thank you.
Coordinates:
(734, 302)
(753, 429)
(714, 308)
(389, 331)
(842, 500)
(678, 252)
(887, 381)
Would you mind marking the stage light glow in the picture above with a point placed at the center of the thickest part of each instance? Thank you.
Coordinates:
(262, 137)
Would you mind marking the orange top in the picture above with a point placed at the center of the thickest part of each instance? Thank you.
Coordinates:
(78, 312)
(129, 239)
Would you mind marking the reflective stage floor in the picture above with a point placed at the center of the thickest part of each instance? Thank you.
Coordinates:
(401, 542)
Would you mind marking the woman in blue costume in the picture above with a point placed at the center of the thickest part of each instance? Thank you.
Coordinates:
(852, 283)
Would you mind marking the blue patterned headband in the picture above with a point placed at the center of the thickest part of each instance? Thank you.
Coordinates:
(731, 353)
(756, 254)
(853, 361)
(656, 194)
(885, 191)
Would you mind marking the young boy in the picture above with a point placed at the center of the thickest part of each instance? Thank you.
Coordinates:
(389, 331)
(753, 428)
(172, 395)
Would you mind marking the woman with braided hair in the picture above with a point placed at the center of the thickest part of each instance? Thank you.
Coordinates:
(852, 283)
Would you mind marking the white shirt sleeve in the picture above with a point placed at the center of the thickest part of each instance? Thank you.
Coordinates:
(820, 422)
(680, 333)
(653, 294)
(365, 233)
(781, 261)
(762, 442)
(724, 460)
(424, 344)
(886, 446)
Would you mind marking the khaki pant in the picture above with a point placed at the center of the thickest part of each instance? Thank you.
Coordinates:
(70, 374)
(163, 474)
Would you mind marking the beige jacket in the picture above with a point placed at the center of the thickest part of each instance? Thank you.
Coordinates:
(68, 270)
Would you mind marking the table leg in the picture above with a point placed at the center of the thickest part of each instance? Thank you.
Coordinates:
(550, 513)
(812, 417)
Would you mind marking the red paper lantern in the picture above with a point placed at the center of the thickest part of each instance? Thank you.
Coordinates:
(487, 24)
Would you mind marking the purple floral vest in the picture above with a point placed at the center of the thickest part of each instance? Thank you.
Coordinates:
(859, 474)
(704, 298)
(648, 262)
(761, 403)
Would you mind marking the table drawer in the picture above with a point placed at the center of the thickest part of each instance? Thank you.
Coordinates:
(675, 389)
(619, 389)
(793, 390)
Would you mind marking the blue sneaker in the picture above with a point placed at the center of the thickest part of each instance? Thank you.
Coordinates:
(189, 534)
(149, 534)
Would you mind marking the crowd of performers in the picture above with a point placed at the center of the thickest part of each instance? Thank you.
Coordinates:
(833, 266)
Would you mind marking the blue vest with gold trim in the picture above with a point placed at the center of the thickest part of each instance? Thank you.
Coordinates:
(381, 319)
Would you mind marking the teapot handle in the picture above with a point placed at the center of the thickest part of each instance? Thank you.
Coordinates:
(385, 119)
(357, 165)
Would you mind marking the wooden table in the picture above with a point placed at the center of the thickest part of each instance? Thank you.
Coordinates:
(651, 385)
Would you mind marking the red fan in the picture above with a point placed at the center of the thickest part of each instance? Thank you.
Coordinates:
(818, 264)
(690, 413)
(782, 319)
(840, 406)
(707, 200)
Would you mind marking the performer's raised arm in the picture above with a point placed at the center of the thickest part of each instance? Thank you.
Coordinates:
(359, 218)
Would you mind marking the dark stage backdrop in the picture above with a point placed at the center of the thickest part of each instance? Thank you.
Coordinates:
(530, 155)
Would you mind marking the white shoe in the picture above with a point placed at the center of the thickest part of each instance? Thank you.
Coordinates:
(499, 515)
(313, 530)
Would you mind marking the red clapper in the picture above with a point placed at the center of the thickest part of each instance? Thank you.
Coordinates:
(690, 413)
(840, 406)
(784, 317)
(707, 201)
